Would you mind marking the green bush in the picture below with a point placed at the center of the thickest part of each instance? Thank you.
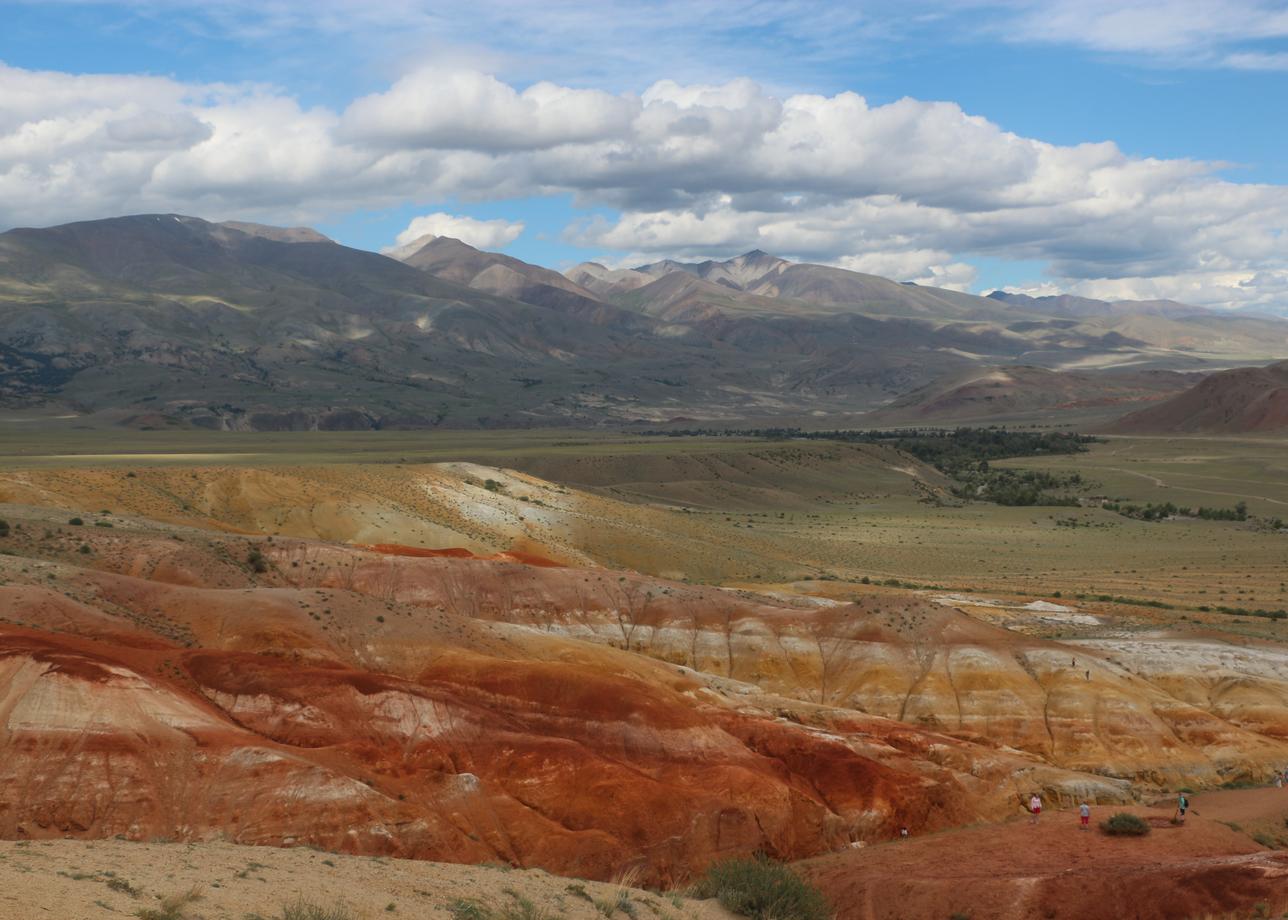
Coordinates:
(255, 559)
(762, 890)
(1124, 825)
(76, 522)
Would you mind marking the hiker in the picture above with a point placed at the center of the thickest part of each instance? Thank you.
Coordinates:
(1035, 808)
(903, 831)
(1088, 675)
(1084, 816)
(1182, 805)
(1075, 663)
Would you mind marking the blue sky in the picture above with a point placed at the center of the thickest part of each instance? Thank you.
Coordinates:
(1169, 82)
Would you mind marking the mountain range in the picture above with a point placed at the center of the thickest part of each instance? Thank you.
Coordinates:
(163, 320)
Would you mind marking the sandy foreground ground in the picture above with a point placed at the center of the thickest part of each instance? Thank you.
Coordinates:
(93, 880)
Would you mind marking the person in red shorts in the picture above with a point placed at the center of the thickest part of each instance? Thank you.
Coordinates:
(1035, 808)
(1084, 815)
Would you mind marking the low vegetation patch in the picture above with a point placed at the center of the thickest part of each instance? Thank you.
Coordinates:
(305, 910)
(1280, 614)
(1123, 824)
(123, 886)
(1130, 601)
(964, 454)
(516, 907)
(1161, 512)
(762, 889)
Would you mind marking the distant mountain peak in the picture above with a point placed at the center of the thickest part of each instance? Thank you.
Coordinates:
(407, 250)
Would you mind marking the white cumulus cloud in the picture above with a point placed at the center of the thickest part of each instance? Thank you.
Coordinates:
(481, 234)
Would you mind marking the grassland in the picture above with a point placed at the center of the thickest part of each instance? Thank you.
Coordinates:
(737, 510)
(42, 444)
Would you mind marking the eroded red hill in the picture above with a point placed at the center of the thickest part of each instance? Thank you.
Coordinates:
(1245, 400)
(218, 703)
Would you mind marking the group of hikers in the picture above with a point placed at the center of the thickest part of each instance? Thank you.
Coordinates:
(1084, 810)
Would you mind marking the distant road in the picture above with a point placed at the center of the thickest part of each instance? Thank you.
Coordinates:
(1163, 485)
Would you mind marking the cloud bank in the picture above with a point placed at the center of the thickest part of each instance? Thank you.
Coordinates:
(912, 188)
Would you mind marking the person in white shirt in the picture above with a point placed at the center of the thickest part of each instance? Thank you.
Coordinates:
(1084, 815)
(1035, 808)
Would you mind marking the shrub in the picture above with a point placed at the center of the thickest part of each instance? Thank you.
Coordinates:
(762, 890)
(123, 886)
(76, 522)
(518, 908)
(303, 910)
(1124, 825)
(461, 909)
(4, 528)
(255, 559)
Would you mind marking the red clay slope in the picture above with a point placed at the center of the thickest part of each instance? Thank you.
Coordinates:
(1057, 872)
(1246, 400)
(479, 760)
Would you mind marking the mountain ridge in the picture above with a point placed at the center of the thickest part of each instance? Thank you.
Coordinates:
(162, 320)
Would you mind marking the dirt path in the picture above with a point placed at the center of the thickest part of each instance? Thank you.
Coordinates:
(1165, 485)
(97, 880)
(1016, 871)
